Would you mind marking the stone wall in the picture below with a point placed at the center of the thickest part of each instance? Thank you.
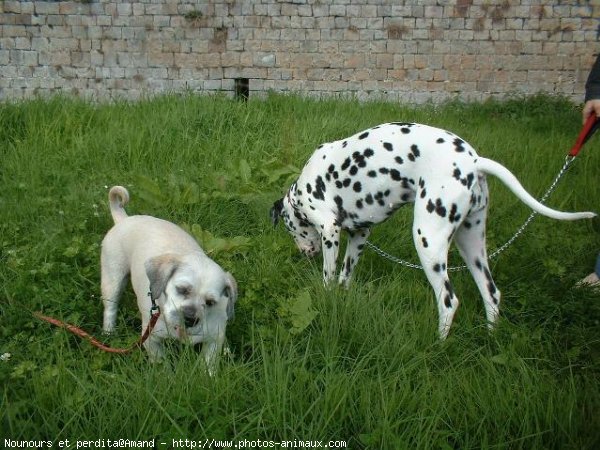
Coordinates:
(412, 51)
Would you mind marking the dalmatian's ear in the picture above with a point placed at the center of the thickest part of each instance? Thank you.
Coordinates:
(276, 211)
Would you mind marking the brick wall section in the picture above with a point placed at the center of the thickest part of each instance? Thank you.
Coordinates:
(412, 51)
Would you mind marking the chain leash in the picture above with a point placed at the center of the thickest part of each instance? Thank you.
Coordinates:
(568, 161)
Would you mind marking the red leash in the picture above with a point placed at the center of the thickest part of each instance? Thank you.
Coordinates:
(590, 127)
(154, 315)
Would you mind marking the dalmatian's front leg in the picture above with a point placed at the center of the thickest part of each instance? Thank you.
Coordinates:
(330, 240)
(356, 244)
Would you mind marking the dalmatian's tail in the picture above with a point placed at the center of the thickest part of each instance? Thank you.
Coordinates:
(491, 167)
(118, 197)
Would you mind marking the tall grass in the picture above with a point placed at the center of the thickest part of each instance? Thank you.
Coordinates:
(362, 366)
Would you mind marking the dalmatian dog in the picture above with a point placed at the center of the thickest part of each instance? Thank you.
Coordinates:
(195, 295)
(354, 183)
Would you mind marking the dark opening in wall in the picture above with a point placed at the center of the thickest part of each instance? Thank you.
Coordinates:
(242, 88)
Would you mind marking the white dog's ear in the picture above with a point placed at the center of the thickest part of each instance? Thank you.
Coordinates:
(233, 293)
(159, 271)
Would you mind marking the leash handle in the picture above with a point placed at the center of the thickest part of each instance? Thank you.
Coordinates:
(590, 126)
(155, 313)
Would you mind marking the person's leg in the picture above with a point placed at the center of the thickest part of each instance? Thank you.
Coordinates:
(593, 279)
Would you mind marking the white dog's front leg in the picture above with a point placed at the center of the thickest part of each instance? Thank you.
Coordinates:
(211, 351)
(356, 243)
(155, 349)
(331, 246)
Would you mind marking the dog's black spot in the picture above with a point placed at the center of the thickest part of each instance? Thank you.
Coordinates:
(319, 189)
(467, 224)
(395, 175)
(372, 173)
(470, 178)
(473, 199)
(487, 273)
(438, 207)
(458, 145)
(347, 182)
(338, 184)
(331, 168)
(389, 147)
(369, 199)
(405, 130)
(328, 176)
(368, 152)
(359, 204)
(348, 265)
(344, 144)
(491, 286)
(440, 141)
(357, 186)
(406, 197)
(353, 170)
(384, 171)
(449, 288)
(364, 224)
(415, 150)
(437, 267)
(346, 163)
(423, 193)
(364, 135)
(424, 241)
(453, 216)
(399, 160)
(308, 188)
(448, 301)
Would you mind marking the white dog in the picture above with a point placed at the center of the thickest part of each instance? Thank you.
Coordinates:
(195, 295)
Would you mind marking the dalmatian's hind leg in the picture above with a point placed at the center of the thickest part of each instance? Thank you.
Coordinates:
(470, 240)
(432, 234)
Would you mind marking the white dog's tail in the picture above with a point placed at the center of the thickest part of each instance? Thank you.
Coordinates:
(498, 170)
(118, 197)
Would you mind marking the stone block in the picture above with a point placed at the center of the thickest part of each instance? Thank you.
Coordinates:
(46, 8)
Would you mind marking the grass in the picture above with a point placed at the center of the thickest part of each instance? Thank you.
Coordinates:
(361, 366)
